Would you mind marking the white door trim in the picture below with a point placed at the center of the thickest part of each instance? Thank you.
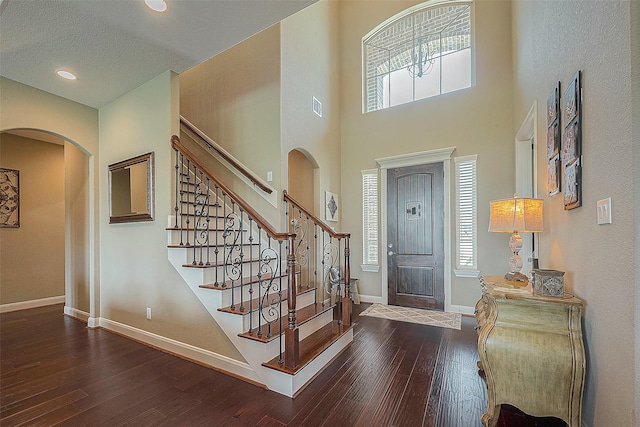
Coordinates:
(526, 143)
(424, 157)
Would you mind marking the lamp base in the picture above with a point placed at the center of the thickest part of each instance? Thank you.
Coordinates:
(516, 277)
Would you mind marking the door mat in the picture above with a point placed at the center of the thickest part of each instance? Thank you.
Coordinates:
(415, 315)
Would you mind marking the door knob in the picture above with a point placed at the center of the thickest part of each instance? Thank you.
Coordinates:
(391, 253)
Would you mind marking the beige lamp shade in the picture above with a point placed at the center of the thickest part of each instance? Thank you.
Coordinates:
(516, 215)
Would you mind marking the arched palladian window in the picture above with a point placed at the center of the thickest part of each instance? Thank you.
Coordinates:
(422, 52)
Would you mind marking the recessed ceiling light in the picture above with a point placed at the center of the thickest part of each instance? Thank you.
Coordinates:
(157, 5)
(66, 74)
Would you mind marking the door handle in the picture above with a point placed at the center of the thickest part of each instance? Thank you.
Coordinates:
(391, 253)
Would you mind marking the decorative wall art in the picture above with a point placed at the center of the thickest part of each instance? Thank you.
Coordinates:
(553, 141)
(9, 198)
(331, 206)
(571, 153)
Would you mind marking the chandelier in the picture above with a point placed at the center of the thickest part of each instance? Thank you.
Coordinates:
(421, 61)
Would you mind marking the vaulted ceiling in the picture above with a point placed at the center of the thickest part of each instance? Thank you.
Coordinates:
(113, 46)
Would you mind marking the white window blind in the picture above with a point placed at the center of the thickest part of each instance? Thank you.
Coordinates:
(370, 217)
(466, 212)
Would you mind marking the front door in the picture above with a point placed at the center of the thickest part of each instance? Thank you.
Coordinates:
(415, 236)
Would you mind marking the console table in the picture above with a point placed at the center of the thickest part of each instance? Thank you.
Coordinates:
(531, 351)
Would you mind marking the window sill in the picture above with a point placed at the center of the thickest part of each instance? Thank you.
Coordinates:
(467, 273)
(370, 268)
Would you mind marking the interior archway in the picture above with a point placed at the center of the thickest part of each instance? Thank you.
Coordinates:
(302, 179)
(56, 235)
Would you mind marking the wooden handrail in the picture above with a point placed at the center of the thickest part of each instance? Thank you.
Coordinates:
(226, 156)
(317, 220)
(262, 223)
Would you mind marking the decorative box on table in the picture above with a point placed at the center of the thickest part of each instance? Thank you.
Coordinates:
(548, 282)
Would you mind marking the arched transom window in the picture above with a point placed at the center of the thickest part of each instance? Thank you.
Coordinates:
(422, 52)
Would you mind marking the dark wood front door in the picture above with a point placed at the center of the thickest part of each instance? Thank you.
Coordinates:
(415, 236)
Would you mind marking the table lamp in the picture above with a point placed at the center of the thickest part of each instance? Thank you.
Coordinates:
(517, 215)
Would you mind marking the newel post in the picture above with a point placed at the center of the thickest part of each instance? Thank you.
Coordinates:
(291, 335)
(346, 302)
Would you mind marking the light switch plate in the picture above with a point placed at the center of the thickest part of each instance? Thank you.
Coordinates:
(604, 211)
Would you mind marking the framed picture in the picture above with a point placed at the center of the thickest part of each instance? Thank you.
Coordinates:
(331, 206)
(553, 175)
(571, 143)
(9, 198)
(553, 106)
(553, 140)
(571, 150)
(554, 171)
(572, 187)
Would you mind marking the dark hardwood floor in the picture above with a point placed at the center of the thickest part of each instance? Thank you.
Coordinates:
(55, 371)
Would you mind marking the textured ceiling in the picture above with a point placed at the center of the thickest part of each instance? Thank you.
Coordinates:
(114, 46)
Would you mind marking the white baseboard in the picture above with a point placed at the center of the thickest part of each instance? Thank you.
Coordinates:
(77, 314)
(34, 303)
(371, 299)
(206, 357)
(462, 309)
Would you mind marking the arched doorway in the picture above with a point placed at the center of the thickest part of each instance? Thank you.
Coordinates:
(54, 230)
(302, 179)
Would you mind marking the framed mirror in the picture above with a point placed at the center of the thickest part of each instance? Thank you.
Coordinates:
(131, 190)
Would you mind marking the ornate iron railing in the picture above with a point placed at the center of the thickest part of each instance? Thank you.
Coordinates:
(322, 258)
(240, 248)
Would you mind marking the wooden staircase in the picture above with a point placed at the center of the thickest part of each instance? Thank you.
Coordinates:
(283, 313)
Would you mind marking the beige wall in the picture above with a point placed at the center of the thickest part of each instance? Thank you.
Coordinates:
(635, 115)
(135, 271)
(477, 120)
(234, 98)
(551, 41)
(32, 260)
(311, 67)
(77, 231)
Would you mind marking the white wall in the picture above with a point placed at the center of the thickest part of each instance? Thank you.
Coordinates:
(135, 271)
(551, 41)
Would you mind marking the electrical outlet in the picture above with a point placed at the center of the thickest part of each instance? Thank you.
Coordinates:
(149, 313)
(603, 208)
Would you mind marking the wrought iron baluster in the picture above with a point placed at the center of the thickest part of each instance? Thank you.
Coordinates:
(208, 207)
(188, 189)
(250, 275)
(307, 263)
(177, 184)
(260, 300)
(281, 337)
(182, 202)
(315, 262)
(217, 240)
(241, 259)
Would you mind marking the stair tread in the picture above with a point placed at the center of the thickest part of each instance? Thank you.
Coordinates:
(190, 229)
(312, 346)
(303, 315)
(190, 246)
(245, 281)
